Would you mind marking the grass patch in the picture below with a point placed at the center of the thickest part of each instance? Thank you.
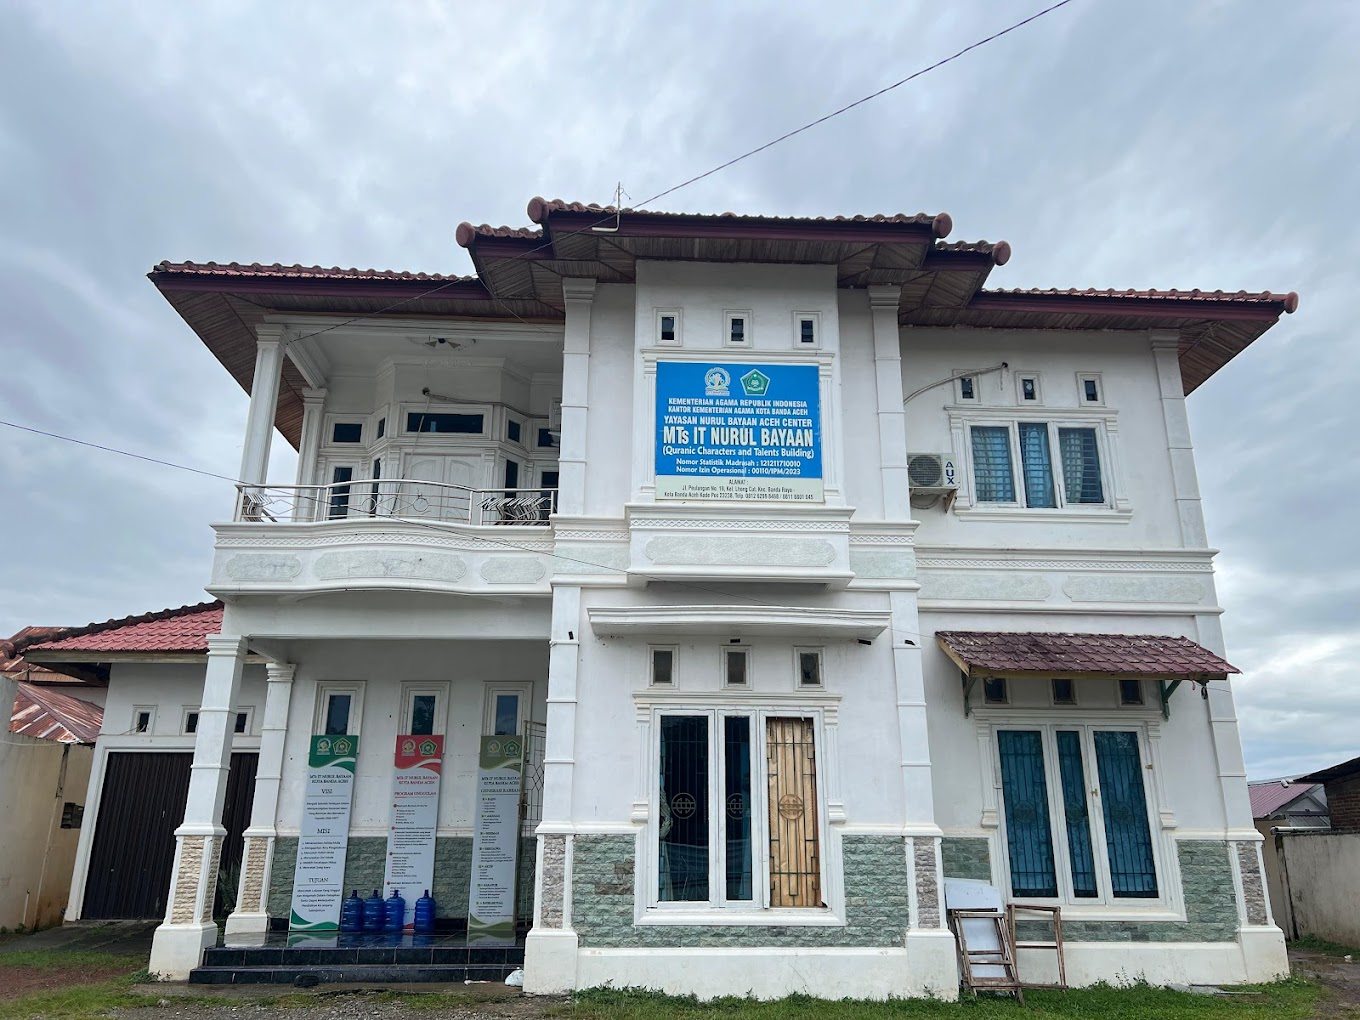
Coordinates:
(63, 959)
(1286, 1000)
(78, 1001)
(1316, 945)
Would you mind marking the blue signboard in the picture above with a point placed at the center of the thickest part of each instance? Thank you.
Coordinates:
(734, 430)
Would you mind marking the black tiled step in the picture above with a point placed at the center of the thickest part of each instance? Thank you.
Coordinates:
(287, 974)
(369, 956)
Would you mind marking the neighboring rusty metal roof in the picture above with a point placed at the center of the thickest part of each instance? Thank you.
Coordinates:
(184, 629)
(993, 653)
(1345, 770)
(50, 715)
(1269, 796)
(297, 272)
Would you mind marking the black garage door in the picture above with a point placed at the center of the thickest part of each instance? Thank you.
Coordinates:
(134, 838)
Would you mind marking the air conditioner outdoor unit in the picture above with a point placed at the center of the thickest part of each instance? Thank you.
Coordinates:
(932, 472)
(555, 416)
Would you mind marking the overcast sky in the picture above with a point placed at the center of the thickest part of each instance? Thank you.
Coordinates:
(1128, 144)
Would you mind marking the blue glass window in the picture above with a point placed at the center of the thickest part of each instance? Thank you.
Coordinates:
(340, 493)
(1024, 789)
(1081, 465)
(1127, 833)
(1037, 464)
(506, 722)
(1076, 816)
(683, 828)
(992, 464)
(737, 805)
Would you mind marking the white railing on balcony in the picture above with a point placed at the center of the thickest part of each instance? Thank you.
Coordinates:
(408, 499)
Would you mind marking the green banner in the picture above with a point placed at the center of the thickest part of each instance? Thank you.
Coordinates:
(319, 875)
(495, 840)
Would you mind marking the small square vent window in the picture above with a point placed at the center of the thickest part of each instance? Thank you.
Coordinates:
(663, 667)
(994, 691)
(736, 667)
(1029, 389)
(382, 427)
(966, 391)
(512, 430)
(809, 668)
(1064, 692)
(1090, 391)
(807, 331)
(736, 330)
(347, 432)
(668, 329)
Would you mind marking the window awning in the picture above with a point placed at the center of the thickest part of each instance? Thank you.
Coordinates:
(1032, 654)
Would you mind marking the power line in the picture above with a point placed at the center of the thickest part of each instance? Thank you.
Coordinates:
(608, 568)
(858, 102)
(612, 216)
(121, 453)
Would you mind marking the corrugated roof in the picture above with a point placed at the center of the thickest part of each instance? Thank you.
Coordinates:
(1270, 796)
(985, 653)
(1345, 770)
(184, 629)
(49, 715)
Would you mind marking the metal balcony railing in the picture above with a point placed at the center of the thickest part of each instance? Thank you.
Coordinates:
(406, 499)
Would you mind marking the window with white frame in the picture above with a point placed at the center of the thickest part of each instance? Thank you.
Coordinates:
(506, 709)
(738, 820)
(737, 328)
(241, 720)
(809, 666)
(1075, 813)
(661, 665)
(1089, 389)
(1038, 464)
(807, 329)
(422, 709)
(189, 721)
(143, 718)
(668, 327)
(339, 709)
(1027, 389)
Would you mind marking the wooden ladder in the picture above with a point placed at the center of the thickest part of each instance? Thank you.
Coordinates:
(1003, 956)
(1055, 943)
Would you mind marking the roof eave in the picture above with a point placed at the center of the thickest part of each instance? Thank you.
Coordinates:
(1151, 307)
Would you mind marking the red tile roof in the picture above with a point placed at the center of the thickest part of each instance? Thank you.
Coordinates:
(170, 630)
(1290, 300)
(296, 272)
(985, 653)
(1270, 796)
(49, 715)
(540, 208)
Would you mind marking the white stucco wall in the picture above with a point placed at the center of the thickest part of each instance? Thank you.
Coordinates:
(463, 670)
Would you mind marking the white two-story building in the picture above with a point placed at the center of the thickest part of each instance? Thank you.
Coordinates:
(819, 573)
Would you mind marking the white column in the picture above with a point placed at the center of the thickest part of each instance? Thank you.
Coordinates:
(313, 415)
(264, 399)
(1227, 743)
(550, 950)
(188, 929)
(571, 458)
(892, 419)
(257, 858)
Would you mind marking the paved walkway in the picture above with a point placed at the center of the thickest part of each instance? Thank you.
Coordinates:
(123, 938)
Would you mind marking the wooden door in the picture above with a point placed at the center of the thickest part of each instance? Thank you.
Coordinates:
(795, 852)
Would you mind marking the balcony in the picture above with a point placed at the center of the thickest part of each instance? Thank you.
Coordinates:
(389, 534)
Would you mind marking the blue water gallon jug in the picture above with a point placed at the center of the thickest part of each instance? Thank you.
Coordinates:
(352, 913)
(375, 912)
(396, 912)
(425, 914)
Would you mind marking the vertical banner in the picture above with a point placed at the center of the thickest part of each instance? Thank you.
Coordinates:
(415, 813)
(495, 840)
(319, 876)
(738, 431)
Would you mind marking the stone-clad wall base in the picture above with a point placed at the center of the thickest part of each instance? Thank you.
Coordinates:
(366, 859)
(966, 857)
(876, 884)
